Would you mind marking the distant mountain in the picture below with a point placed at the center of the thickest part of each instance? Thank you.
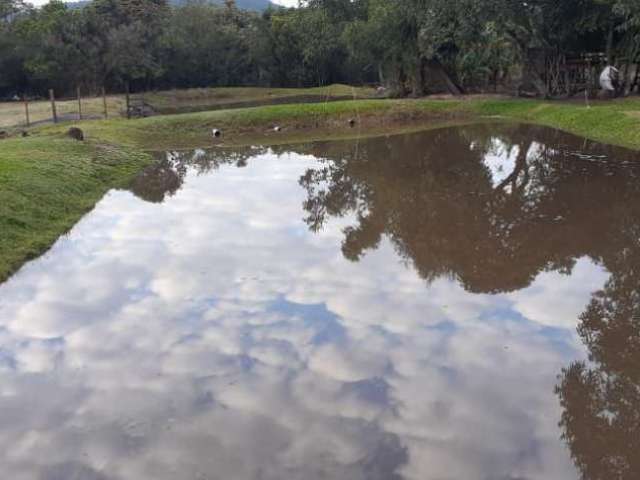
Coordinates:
(254, 5)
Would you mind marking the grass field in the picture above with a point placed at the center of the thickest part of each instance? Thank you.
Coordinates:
(47, 181)
(199, 99)
(12, 114)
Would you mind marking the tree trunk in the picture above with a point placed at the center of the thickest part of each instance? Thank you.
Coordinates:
(535, 77)
(380, 74)
(417, 88)
(438, 70)
(610, 46)
(539, 84)
(402, 81)
(529, 66)
(634, 84)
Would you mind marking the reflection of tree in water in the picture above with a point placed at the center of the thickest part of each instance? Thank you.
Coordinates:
(601, 398)
(163, 178)
(494, 211)
(448, 207)
(166, 176)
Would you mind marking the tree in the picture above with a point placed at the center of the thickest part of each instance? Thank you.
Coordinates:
(11, 64)
(128, 36)
(380, 40)
(209, 46)
(48, 40)
(413, 46)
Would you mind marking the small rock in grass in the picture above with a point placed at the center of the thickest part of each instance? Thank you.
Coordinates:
(76, 134)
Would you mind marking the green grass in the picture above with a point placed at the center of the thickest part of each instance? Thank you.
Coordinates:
(47, 184)
(616, 122)
(255, 125)
(198, 99)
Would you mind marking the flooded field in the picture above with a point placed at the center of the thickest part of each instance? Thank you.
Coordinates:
(457, 304)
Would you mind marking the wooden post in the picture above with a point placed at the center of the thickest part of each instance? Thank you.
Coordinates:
(53, 106)
(79, 103)
(26, 109)
(126, 87)
(104, 102)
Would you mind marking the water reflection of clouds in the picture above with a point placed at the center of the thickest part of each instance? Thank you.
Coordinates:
(213, 336)
(500, 160)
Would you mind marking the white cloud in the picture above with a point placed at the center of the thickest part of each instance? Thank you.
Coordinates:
(212, 335)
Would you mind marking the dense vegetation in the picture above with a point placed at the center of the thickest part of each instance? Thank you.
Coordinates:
(413, 46)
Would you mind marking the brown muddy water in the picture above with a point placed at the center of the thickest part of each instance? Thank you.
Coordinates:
(457, 304)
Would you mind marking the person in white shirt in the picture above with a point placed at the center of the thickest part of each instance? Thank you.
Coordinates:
(609, 79)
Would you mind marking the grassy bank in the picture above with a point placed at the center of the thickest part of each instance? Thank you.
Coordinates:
(256, 125)
(616, 122)
(201, 99)
(47, 184)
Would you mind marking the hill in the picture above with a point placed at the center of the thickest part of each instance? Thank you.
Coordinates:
(254, 5)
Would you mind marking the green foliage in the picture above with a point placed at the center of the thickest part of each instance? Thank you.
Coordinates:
(209, 46)
(416, 46)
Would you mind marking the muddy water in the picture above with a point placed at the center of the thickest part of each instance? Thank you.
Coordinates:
(459, 304)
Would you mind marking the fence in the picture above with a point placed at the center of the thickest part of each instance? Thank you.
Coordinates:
(26, 112)
(569, 75)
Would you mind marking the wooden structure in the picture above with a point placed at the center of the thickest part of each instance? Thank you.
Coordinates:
(567, 75)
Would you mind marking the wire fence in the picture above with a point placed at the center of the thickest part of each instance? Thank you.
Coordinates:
(21, 113)
(26, 112)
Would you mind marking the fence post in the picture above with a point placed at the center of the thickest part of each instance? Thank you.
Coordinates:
(53, 105)
(26, 109)
(104, 102)
(79, 103)
(127, 99)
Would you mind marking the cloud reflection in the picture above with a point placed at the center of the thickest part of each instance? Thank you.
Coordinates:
(213, 336)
